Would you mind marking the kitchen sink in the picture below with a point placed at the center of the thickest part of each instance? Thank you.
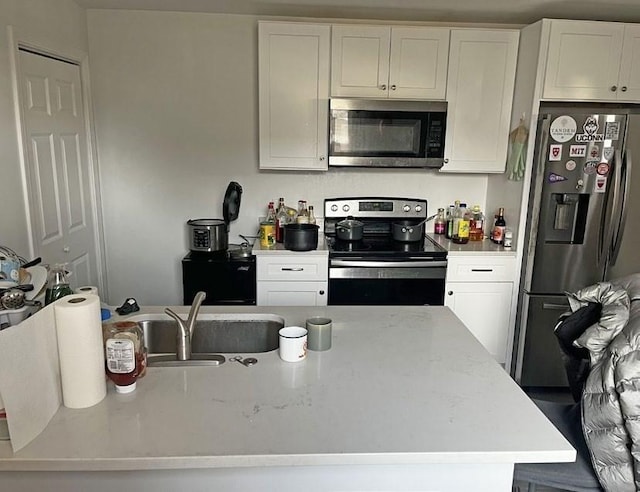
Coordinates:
(214, 334)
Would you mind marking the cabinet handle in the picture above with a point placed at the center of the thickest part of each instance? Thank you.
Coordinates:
(291, 269)
(383, 87)
(623, 88)
(321, 292)
(393, 87)
(450, 293)
(322, 158)
(614, 88)
(446, 161)
(482, 269)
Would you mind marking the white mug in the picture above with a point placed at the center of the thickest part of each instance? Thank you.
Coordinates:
(293, 343)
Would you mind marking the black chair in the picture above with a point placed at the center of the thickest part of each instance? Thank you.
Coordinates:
(579, 475)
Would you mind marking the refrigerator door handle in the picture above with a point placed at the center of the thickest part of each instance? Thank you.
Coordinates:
(606, 238)
(559, 307)
(624, 199)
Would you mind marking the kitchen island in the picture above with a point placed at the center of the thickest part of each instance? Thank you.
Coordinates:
(406, 399)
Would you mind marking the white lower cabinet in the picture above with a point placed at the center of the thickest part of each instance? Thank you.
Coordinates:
(479, 291)
(292, 280)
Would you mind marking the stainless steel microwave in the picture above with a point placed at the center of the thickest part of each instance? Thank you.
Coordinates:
(386, 133)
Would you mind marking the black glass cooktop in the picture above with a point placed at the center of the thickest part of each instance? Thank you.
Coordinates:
(385, 246)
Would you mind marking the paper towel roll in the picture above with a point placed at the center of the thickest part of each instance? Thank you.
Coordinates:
(87, 289)
(80, 349)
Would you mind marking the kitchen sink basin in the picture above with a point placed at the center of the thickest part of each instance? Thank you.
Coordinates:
(213, 334)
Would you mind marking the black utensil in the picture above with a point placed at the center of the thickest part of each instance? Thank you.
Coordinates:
(33, 262)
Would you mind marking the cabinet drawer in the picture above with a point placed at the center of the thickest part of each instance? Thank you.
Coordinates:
(293, 268)
(480, 269)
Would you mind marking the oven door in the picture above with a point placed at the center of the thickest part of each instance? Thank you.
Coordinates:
(386, 283)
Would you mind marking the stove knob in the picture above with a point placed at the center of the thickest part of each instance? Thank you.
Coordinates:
(345, 208)
(334, 208)
(406, 208)
(418, 208)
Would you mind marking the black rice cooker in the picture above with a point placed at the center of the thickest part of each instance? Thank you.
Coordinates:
(212, 235)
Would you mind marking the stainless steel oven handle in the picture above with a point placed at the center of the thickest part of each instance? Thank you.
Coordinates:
(387, 264)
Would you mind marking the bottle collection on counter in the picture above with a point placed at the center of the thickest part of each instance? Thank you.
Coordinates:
(272, 229)
(462, 224)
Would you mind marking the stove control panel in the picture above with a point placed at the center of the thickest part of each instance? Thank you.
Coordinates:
(390, 208)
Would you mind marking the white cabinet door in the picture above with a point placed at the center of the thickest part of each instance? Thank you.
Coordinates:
(583, 60)
(418, 63)
(629, 81)
(485, 308)
(360, 61)
(482, 68)
(291, 294)
(394, 62)
(293, 72)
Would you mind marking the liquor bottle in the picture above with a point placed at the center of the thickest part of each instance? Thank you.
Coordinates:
(271, 214)
(461, 225)
(440, 222)
(450, 219)
(303, 213)
(476, 226)
(281, 219)
(312, 215)
(497, 233)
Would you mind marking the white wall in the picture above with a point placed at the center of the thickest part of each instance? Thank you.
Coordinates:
(175, 101)
(57, 25)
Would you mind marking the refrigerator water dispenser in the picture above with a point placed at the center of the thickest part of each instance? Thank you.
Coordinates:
(568, 218)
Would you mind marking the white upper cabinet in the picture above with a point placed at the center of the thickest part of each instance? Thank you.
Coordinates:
(389, 62)
(293, 72)
(482, 68)
(593, 61)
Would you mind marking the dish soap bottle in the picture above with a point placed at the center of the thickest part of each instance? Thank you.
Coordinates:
(57, 284)
(124, 353)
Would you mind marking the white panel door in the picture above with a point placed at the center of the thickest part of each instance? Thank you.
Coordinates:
(629, 81)
(482, 69)
(485, 308)
(360, 61)
(418, 64)
(293, 72)
(583, 60)
(58, 174)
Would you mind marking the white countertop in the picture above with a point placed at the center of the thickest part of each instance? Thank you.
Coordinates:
(279, 249)
(484, 247)
(399, 386)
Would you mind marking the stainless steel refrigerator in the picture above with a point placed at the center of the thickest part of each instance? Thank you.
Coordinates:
(582, 223)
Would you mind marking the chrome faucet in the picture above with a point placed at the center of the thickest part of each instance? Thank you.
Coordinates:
(185, 329)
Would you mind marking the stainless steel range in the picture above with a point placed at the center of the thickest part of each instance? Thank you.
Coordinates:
(378, 269)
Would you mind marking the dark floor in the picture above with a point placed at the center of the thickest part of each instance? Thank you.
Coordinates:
(549, 394)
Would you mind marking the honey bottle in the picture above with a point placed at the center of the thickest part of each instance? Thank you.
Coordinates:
(125, 354)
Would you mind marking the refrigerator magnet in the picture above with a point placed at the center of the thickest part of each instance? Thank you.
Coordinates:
(600, 184)
(612, 130)
(594, 152)
(603, 169)
(555, 152)
(570, 165)
(556, 178)
(607, 153)
(577, 151)
(590, 129)
(590, 167)
(563, 128)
